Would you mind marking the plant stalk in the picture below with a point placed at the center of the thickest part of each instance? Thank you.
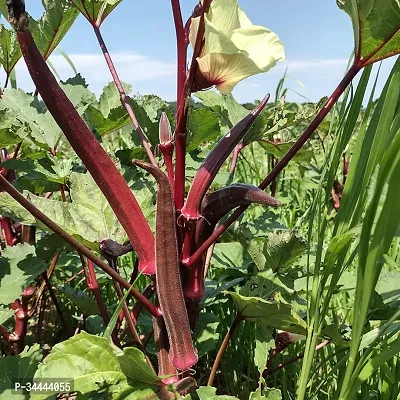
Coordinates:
(122, 94)
(222, 349)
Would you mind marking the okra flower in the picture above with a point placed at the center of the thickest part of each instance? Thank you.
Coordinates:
(233, 48)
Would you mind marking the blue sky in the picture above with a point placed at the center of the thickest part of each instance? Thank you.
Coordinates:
(140, 35)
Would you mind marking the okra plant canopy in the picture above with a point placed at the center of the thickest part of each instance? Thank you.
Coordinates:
(119, 277)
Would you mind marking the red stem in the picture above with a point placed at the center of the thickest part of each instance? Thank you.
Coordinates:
(62, 192)
(8, 233)
(182, 115)
(16, 151)
(351, 73)
(122, 94)
(222, 349)
(235, 156)
(181, 45)
(93, 285)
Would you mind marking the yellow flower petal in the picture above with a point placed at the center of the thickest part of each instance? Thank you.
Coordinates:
(226, 70)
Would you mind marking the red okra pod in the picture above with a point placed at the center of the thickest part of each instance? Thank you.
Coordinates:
(168, 279)
(211, 165)
(217, 204)
(86, 146)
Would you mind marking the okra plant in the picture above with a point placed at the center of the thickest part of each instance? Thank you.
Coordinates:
(97, 186)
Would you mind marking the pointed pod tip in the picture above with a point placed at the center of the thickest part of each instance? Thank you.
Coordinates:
(260, 106)
(141, 164)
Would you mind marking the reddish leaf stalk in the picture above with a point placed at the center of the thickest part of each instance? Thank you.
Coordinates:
(235, 156)
(222, 349)
(169, 286)
(182, 115)
(11, 240)
(122, 94)
(89, 150)
(181, 45)
(151, 308)
(211, 165)
(21, 316)
(93, 286)
(351, 73)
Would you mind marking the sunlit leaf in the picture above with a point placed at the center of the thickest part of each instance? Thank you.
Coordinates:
(376, 26)
(275, 313)
(19, 266)
(19, 369)
(95, 11)
(95, 365)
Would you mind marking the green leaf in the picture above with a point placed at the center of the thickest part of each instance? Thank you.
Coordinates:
(209, 393)
(88, 218)
(10, 52)
(387, 353)
(388, 287)
(5, 314)
(54, 24)
(80, 221)
(230, 256)
(276, 313)
(284, 117)
(204, 128)
(85, 192)
(86, 305)
(19, 266)
(96, 364)
(135, 367)
(264, 343)
(110, 99)
(19, 368)
(214, 289)
(278, 150)
(282, 249)
(266, 394)
(31, 117)
(376, 26)
(12, 209)
(116, 119)
(231, 112)
(206, 334)
(265, 285)
(95, 11)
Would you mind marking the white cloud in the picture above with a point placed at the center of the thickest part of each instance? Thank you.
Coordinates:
(139, 70)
